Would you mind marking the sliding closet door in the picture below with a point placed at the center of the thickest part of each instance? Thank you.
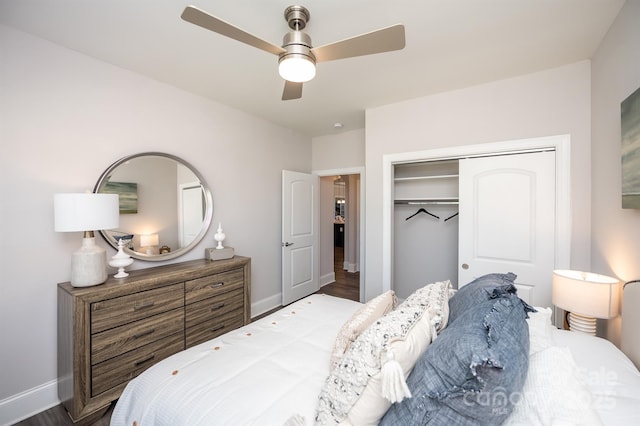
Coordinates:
(507, 221)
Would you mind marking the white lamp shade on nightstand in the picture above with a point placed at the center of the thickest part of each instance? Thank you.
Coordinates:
(86, 212)
(586, 296)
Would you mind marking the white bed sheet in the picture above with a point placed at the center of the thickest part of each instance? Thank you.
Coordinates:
(610, 376)
(215, 382)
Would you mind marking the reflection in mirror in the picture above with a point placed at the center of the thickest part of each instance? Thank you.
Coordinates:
(165, 205)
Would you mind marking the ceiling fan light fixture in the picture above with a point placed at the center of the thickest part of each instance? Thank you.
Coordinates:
(297, 68)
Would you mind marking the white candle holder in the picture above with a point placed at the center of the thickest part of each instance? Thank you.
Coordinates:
(219, 237)
(121, 260)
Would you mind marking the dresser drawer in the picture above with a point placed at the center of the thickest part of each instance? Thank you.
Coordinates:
(214, 327)
(116, 341)
(213, 285)
(121, 310)
(125, 367)
(213, 307)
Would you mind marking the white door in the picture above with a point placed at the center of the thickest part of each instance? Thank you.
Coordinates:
(191, 212)
(300, 197)
(507, 221)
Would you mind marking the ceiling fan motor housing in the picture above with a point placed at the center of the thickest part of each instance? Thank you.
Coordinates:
(297, 17)
(297, 43)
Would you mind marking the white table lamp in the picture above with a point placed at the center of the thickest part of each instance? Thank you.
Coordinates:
(148, 242)
(87, 212)
(586, 296)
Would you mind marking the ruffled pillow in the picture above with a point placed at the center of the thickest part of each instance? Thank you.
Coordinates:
(359, 321)
(468, 375)
(477, 290)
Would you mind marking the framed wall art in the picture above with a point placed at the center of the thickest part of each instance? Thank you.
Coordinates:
(630, 132)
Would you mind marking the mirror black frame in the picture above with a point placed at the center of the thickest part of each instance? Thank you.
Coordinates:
(206, 222)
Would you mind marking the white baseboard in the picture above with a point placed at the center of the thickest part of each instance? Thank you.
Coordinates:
(327, 279)
(25, 404)
(351, 267)
(265, 305)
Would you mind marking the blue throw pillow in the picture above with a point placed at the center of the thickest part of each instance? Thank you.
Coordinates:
(477, 290)
(472, 374)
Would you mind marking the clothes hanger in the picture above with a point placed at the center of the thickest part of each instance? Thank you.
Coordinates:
(422, 211)
(452, 216)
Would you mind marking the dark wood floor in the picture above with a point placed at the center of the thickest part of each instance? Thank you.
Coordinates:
(346, 285)
(57, 416)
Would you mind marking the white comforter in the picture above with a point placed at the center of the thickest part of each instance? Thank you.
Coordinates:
(215, 382)
(267, 372)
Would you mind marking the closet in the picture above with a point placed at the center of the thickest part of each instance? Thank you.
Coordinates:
(461, 218)
(425, 224)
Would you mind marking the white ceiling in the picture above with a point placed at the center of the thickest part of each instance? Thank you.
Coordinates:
(450, 44)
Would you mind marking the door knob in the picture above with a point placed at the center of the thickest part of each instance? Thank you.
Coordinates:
(465, 266)
(287, 244)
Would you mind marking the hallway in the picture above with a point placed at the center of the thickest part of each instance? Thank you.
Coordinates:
(347, 284)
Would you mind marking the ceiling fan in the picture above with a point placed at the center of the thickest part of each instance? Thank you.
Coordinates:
(297, 57)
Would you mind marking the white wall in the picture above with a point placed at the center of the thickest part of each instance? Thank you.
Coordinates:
(615, 75)
(65, 118)
(551, 102)
(340, 151)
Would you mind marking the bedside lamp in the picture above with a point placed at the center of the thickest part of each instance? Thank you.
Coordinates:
(586, 296)
(148, 242)
(86, 212)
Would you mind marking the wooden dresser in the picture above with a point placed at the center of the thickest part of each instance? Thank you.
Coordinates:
(110, 333)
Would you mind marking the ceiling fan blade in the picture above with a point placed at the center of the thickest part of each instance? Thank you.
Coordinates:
(382, 40)
(291, 90)
(203, 19)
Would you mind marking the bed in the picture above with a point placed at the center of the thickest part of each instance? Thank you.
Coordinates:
(327, 360)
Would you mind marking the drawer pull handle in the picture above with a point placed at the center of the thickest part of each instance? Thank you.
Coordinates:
(144, 333)
(142, 361)
(219, 327)
(145, 306)
(218, 306)
(216, 285)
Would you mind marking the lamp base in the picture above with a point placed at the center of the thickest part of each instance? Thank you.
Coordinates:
(582, 323)
(88, 264)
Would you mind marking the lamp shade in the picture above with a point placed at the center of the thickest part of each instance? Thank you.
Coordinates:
(149, 240)
(586, 293)
(85, 212)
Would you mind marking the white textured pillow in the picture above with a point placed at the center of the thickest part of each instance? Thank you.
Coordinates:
(540, 330)
(353, 392)
(553, 393)
(359, 321)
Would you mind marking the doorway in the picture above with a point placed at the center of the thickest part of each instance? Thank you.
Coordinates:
(341, 241)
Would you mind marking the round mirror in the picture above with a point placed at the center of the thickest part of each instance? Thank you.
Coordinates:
(165, 205)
